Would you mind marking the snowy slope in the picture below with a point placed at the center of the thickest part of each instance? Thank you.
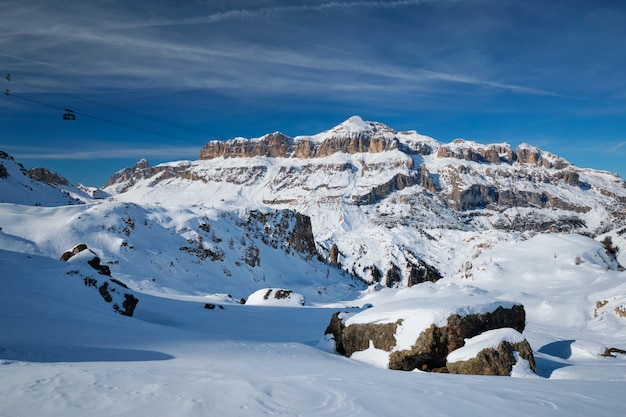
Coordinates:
(64, 353)
(16, 186)
(188, 251)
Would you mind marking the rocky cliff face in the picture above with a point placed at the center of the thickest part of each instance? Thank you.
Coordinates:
(374, 137)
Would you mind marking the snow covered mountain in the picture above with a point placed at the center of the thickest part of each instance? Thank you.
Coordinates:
(380, 227)
(393, 206)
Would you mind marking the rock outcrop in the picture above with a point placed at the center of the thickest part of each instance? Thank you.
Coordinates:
(277, 145)
(46, 176)
(432, 346)
(110, 289)
(495, 361)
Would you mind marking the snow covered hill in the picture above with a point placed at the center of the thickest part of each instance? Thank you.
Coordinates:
(63, 351)
(37, 187)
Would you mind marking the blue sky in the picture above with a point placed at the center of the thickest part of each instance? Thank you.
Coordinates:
(159, 79)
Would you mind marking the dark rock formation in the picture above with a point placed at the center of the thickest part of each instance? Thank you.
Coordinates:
(357, 337)
(111, 290)
(75, 250)
(333, 255)
(432, 346)
(477, 196)
(379, 192)
(422, 272)
(435, 343)
(102, 269)
(301, 237)
(289, 229)
(46, 176)
(393, 276)
(426, 181)
(498, 361)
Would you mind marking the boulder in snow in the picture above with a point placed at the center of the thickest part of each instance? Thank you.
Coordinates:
(276, 297)
(111, 290)
(417, 337)
(494, 352)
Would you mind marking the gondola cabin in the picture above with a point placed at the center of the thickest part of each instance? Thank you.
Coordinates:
(69, 115)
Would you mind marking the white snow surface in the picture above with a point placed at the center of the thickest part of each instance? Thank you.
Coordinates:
(276, 297)
(64, 352)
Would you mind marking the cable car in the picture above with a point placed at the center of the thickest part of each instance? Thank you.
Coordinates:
(69, 115)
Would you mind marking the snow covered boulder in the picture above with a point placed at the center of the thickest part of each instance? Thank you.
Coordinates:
(416, 333)
(276, 297)
(495, 352)
(111, 290)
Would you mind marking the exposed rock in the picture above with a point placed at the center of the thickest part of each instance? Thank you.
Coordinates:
(277, 145)
(74, 251)
(426, 181)
(289, 229)
(475, 197)
(357, 337)
(432, 346)
(393, 276)
(46, 176)
(569, 177)
(102, 269)
(528, 155)
(4, 174)
(301, 237)
(335, 328)
(422, 272)
(611, 352)
(379, 192)
(471, 151)
(333, 255)
(111, 290)
(492, 361)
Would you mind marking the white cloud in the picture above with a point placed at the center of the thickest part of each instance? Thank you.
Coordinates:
(168, 152)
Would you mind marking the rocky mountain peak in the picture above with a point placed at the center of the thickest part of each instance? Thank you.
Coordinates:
(355, 126)
(352, 136)
(46, 176)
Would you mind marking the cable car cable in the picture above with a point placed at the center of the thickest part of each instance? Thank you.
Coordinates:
(92, 116)
(125, 110)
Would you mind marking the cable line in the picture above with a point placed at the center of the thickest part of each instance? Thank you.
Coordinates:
(125, 110)
(89, 115)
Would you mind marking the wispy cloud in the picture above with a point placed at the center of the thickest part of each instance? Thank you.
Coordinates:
(619, 147)
(250, 13)
(167, 152)
(144, 58)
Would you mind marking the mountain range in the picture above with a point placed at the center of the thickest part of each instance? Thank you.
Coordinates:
(387, 202)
